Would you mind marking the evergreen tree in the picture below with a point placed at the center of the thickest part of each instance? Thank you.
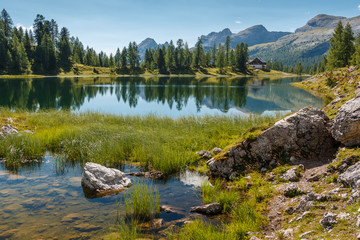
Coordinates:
(220, 60)
(38, 28)
(341, 47)
(8, 23)
(179, 54)
(117, 58)
(299, 68)
(213, 55)
(65, 53)
(3, 47)
(197, 54)
(349, 47)
(227, 50)
(45, 56)
(20, 62)
(161, 61)
(123, 59)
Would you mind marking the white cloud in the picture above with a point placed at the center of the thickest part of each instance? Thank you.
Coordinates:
(24, 28)
(238, 22)
(359, 7)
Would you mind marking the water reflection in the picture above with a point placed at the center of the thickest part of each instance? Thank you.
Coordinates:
(163, 96)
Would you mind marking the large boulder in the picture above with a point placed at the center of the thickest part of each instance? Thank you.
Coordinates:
(346, 126)
(351, 177)
(304, 135)
(98, 180)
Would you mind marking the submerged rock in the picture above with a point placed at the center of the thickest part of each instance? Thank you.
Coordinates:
(208, 209)
(99, 179)
(152, 174)
(85, 227)
(304, 135)
(346, 126)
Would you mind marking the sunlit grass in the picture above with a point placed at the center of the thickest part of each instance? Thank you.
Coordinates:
(143, 202)
(160, 143)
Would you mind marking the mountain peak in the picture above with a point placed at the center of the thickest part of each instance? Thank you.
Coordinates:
(321, 21)
(226, 31)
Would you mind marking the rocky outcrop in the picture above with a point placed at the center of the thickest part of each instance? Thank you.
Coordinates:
(351, 177)
(304, 135)
(208, 209)
(346, 126)
(98, 180)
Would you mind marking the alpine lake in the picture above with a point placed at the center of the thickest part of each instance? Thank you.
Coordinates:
(44, 201)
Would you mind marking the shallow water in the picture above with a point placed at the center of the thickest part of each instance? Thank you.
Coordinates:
(165, 96)
(39, 203)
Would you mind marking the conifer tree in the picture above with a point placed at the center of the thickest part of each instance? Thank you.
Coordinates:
(65, 53)
(341, 47)
(213, 55)
(123, 59)
(20, 61)
(227, 50)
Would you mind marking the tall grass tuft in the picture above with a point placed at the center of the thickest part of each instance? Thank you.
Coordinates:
(143, 202)
(20, 150)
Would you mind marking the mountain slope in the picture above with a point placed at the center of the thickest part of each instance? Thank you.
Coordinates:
(307, 44)
(254, 35)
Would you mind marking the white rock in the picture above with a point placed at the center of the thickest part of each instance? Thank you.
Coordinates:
(99, 178)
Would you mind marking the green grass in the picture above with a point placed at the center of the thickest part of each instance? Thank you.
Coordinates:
(160, 143)
(142, 203)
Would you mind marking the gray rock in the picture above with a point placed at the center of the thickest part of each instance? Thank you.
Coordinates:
(290, 175)
(343, 216)
(303, 215)
(304, 135)
(328, 220)
(204, 154)
(289, 210)
(99, 178)
(216, 150)
(346, 126)
(305, 234)
(317, 197)
(334, 191)
(358, 221)
(351, 177)
(254, 238)
(287, 233)
(8, 129)
(208, 209)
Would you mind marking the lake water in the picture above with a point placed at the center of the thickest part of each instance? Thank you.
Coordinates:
(45, 201)
(40, 202)
(165, 96)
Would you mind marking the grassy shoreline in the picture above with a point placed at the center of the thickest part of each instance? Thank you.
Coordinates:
(87, 71)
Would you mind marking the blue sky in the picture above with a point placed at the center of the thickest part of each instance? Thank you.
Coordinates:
(108, 24)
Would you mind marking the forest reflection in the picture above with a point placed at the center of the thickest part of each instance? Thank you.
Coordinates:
(175, 92)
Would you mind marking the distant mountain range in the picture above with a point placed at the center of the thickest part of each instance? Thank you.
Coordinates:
(307, 44)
